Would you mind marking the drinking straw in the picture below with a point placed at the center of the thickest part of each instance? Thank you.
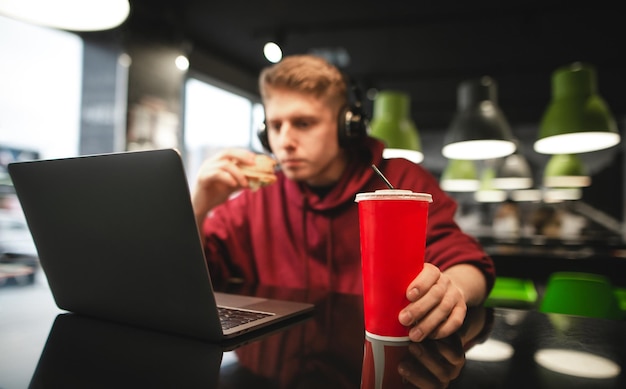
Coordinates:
(380, 174)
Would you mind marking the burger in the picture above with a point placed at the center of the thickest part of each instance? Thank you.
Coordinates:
(261, 173)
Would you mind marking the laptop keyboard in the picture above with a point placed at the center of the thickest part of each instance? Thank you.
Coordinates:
(231, 317)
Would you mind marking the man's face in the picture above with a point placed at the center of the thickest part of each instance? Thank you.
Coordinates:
(302, 132)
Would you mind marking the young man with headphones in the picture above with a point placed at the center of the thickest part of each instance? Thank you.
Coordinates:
(303, 230)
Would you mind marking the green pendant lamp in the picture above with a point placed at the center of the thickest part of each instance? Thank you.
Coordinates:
(460, 175)
(487, 193)
(565, 171)
(479, 129)
(577, 119)
(392, 124)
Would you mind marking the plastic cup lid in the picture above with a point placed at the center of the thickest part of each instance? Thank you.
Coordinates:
(394, 194)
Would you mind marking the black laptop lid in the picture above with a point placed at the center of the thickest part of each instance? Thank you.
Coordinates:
(117, 239)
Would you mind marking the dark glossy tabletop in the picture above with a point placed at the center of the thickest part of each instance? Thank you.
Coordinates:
(42, 347)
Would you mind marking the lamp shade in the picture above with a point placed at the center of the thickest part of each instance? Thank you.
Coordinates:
(73, 15)
(479, 129)
(392, 124)
(577, 119)
(460, 176)
(565, 171)
(513, 172)
(487, 193)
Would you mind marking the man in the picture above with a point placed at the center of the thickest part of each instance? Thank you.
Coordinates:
(303, 230)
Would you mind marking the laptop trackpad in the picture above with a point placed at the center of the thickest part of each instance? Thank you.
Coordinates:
(235, 300)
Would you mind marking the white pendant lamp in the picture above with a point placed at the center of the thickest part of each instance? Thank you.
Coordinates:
(479, 129)
(71, 15)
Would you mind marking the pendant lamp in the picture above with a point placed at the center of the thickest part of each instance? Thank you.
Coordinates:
(460, 175)
(577, 119)
(513, 172)
(72, 15)
(392, 124)
(558, 195)
(526, 195)
(565, 171)
(487, 193)
(479, 129)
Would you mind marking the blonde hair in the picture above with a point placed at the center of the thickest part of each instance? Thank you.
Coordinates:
(307, 74)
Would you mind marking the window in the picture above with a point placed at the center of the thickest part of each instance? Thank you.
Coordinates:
(41, 75)
(215, 119)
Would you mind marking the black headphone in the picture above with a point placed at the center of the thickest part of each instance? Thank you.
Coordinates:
(351, 122)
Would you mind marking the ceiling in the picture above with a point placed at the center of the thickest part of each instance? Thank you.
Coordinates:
(425, 48)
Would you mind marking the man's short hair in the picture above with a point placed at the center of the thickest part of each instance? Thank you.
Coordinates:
(308, 74)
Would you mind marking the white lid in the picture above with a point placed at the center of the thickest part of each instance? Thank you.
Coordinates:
(394, 194)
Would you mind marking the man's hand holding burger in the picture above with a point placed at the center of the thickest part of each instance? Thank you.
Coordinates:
(227, 172)
(261, 173)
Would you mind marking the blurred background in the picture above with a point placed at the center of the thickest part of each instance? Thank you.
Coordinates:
(184, 73)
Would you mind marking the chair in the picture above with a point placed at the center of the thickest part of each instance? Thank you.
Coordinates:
(620, 294)
(512, 293)
(582, 294)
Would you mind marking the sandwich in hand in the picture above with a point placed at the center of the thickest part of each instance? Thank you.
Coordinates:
(261, 173)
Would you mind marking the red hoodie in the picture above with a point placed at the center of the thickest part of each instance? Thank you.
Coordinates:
(284, 234)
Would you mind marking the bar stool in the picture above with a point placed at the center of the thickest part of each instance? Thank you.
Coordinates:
(582, 294)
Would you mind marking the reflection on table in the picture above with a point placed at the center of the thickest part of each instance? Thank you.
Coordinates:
(496, 348)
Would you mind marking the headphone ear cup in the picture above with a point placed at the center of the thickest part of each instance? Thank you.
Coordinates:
(352, 125)
(263, 137)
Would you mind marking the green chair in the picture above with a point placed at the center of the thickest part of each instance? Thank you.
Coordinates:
(620, 294)
(582, 294)
(510, 292)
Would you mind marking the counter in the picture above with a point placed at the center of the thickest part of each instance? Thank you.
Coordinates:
(43, 347)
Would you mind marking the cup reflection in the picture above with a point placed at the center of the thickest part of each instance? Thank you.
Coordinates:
(427, 364)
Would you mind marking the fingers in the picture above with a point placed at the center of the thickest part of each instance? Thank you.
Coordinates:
(218, 177)
(433, 364)
(422, 289)
(425, 280)
(437, 307)
(451, 324)
(438, 323)
(223, 168)
(237, 156)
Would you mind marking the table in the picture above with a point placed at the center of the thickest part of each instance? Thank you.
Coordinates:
(43, 347)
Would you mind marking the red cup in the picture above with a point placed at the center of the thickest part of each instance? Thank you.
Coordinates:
(393, 238)
(380, 363)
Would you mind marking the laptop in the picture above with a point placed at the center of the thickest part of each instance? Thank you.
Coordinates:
(117, 240)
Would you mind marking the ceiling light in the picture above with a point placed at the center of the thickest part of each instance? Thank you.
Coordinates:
(523, 195)
(392, 124)
(72, 15)
(565, 171)
(487, 193)
(272, 52)
(557, 195)
(479, 129)
(182, 63)
(577, 119)
(460, 176)
(513, 172)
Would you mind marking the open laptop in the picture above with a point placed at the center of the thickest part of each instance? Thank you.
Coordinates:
(117, 240)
